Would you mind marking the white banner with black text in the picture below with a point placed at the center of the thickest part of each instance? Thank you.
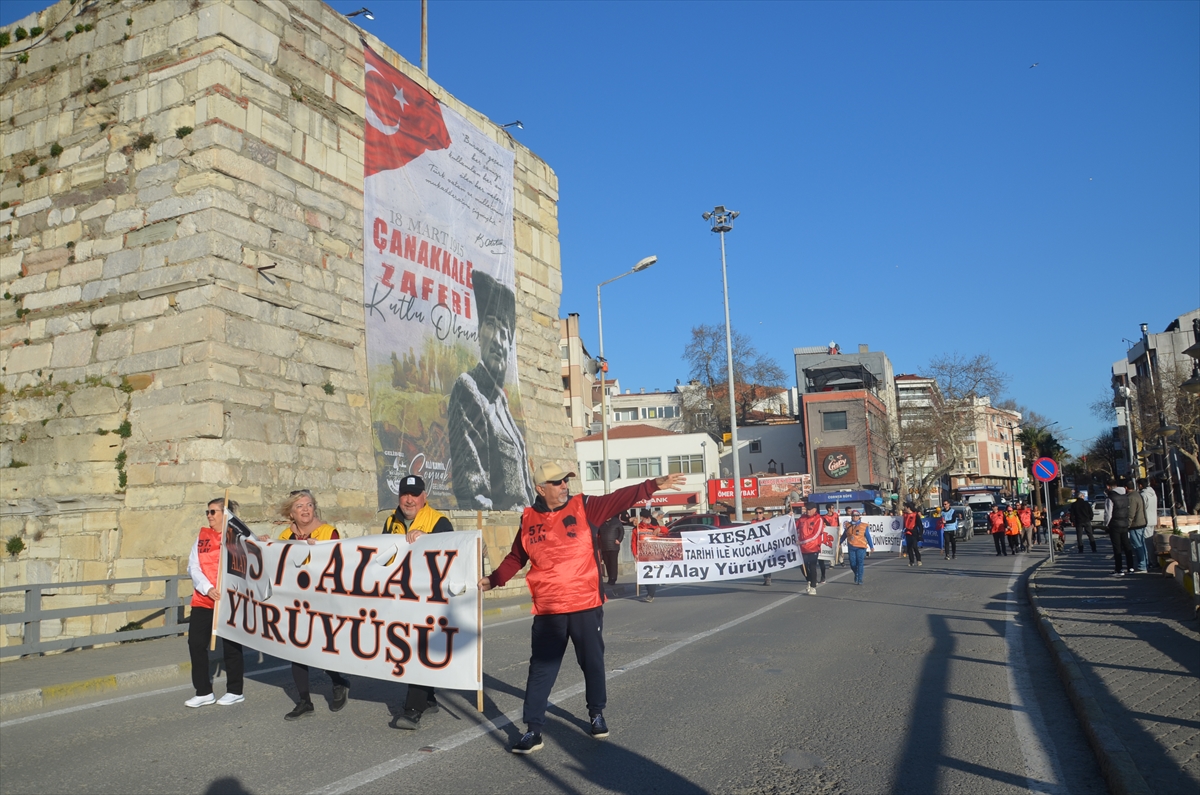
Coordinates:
(721, 553)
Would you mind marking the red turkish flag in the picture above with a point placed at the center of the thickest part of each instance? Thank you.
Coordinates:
(403, 119)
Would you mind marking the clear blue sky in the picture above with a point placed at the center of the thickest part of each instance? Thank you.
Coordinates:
(904, 178)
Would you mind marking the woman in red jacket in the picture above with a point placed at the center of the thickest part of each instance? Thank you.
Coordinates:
(912, 534)
(811, 534)
(203, 563)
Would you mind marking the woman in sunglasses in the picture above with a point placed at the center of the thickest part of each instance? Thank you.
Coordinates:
(202, 568)
(307, 526)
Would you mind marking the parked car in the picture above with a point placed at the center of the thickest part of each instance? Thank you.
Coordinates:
(674, 530)
(966, 522)
(708, 519)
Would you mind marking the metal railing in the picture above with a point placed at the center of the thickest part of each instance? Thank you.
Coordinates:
(171, 605)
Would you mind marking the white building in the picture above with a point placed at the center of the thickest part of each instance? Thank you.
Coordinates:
(637, 452)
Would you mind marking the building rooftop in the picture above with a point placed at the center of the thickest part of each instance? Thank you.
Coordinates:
(629, 431)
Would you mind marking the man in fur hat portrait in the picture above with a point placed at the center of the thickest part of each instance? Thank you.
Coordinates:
(489, 463)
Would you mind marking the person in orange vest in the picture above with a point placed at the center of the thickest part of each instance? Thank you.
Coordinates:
(811, 533)
(1025, 514)
(912, 534)
(648, 527)
(996, 525)
(857, 535)
(557, 540)
(203, 563)
(1012, 523)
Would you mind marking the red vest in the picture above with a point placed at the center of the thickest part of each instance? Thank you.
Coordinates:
(564, 573)
(910, 522)
(208, 549)
(996, 521)
(809, 531)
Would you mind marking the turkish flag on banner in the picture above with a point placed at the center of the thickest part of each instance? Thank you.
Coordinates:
(403, 119)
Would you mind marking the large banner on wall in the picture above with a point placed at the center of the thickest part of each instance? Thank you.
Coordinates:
(440, 299)
(373, 606)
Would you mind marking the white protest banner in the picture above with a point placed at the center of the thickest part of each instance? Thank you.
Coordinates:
(722, 553)
(887, 532)
(375, 606)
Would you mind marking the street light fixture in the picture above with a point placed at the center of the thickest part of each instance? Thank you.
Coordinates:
(721, 221)
(641, 265)
(366, 12)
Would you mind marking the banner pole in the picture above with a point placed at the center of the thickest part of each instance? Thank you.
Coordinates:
(212, 642)
(479, 616)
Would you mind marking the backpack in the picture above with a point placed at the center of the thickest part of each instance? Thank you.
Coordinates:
(1119, 520)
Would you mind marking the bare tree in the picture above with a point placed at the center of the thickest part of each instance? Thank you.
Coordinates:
(753, 373)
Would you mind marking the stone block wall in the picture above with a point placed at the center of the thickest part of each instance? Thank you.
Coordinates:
(181, 194)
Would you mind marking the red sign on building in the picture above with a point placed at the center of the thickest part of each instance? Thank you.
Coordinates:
(669, 498)
(719, 490)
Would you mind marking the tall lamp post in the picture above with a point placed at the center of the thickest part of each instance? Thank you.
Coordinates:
(721, 221)
(640, 266)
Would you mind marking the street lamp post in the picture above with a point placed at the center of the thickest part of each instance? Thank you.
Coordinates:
(721, 221)
(640, 266)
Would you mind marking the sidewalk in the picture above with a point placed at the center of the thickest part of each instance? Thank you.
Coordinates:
(33, 683)
(1128, 651)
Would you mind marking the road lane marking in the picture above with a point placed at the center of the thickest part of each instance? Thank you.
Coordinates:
(121, 699)
(364, 777)
(1042, 771)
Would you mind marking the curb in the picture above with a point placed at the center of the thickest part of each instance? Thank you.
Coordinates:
(1116, 763)
(37, 698)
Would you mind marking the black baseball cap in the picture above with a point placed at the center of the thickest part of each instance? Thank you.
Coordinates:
(412, 484)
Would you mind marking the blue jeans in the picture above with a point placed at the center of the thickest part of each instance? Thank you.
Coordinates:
(858, 557)
(1137, 540)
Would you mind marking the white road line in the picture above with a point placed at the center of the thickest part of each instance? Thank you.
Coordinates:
(68, 710)
(377, 772)
(1042, 771)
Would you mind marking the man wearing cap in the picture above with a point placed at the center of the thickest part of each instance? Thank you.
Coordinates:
(857, 535)
(812, 535)
(489, 469)
(558, 539)
(413, 518)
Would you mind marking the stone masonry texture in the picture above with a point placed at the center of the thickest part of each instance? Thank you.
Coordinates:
(181, 185)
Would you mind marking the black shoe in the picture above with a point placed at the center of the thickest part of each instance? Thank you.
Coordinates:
(410, 720)
(599, 727)
(340, 694)
(432, 707)
(529, 742)
(302, 710)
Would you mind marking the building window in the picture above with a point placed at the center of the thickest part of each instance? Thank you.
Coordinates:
(756, 445)
(566, 352)
(833, 421)
(687, 464)
(643, 467)
(592, 470)
(625, 415)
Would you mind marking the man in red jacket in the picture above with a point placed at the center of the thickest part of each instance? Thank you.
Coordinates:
(558, 539)
(811, 533)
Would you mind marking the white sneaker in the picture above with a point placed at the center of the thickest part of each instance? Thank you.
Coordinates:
(812, 591)
(200, 701)
(231, 698)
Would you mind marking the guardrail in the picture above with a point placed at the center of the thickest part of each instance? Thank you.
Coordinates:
(170, 603)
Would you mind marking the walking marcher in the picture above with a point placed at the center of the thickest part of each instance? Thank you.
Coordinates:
(1116, 523)
(556, 539)
(1025, 514)
(611, 534)
(950, 520)
(203, 562)
(1081, 517)
(997, 527)
(306, 526)
(857, 535)
(1039, 525)
(1012, 524)
(1150, 502)
(912, 534)
(413, 518)
(646, 528)
(811, 533)
(1137, 527)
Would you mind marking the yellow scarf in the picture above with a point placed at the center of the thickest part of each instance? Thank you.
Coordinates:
(323, 533)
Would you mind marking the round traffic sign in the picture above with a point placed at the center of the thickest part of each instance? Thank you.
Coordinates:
(1045, 469)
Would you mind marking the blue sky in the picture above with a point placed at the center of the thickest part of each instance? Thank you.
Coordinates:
(904, 178)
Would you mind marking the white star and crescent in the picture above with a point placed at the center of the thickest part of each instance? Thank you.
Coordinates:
(373, 119)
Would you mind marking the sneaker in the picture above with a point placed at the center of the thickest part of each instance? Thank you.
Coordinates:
(910, 565)
(200, 701)
(529, 742)
(648, 599)
(432, 707)
(1118, 574)
(599, 727)
(919, 563)
(229, 699)
(812, 590)
(767, 579)
(341, 694)
(410, 720)
(302, 710)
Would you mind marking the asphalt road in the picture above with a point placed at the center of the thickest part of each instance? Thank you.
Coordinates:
(924, 680)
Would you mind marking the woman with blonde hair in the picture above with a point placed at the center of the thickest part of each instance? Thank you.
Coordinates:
(306, 525)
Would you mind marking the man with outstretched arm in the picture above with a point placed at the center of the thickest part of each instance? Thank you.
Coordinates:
(558, 539)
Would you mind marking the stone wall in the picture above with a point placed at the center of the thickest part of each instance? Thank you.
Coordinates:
(181, 264)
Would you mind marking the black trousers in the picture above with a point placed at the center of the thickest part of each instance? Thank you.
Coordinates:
(1014, 543)
(199, 634)
(300, 677)
(420, 698)
(1080, 529)
(999, 539)
(912, 544)
(610, 564)
(950, 544)
(1120, 543)
(548, 638)
(810, 566)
